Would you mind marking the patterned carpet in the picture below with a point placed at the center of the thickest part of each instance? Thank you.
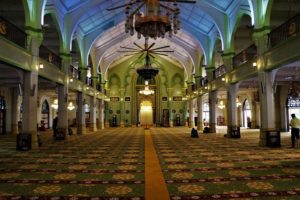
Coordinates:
(214, 167)
(107, 164)
(110, 165)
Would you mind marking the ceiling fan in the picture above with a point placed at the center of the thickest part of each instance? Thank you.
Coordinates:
(148, 50)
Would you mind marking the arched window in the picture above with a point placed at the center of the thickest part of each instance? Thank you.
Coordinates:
(205, 114)
(293, 107)
(45, 114)
(246, 114)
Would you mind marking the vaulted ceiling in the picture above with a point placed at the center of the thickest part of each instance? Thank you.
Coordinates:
(95, 28)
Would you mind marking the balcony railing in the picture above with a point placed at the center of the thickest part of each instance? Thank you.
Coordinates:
(98, 87)
(287, 30)
(75, 73)
(89, 81)
(244, 56)
(12, 32)
(49, 56)
(221, 70)
(203, 81)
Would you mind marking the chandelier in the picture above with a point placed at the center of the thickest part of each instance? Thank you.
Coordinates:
(146, 91)
(55, 104)
(221, 104)
(71, 106)
(238, 103)
(159, 17)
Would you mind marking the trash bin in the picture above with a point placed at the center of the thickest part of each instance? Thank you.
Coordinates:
(273, 139)
(23, 142)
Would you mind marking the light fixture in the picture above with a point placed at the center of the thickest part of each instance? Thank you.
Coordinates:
(71, 106)
(146, 91)
(294, 92)
(223, 79)
(238, 103)
(71, 80)
(55, 104)
(254, 64)
(221, 104)
(158, 18)
(41, 66)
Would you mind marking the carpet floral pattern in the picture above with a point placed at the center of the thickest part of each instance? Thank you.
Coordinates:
(214, 167)
(105, 165)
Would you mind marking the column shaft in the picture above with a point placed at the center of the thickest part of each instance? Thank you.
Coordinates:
(93, 117)
(200, 112)
(231, 108)
(81, 129)
(212, 95)
(192, 118)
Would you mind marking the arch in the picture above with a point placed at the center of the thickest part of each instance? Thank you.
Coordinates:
(45, 115)
(247, 115)
(54, 20)
(241, 14)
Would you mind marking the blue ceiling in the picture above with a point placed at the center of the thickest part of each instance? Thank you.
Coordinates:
(89, 19)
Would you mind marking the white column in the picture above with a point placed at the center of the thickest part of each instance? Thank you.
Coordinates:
(101, 114)
(29, 123)
(15, 111)
(93, 122)
(212, 96)
(266, 80)
(200, 113)
(231, 108)
(62, 124)
(81, 129)
(191, 113)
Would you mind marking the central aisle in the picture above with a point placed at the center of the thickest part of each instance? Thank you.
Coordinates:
(155, 187)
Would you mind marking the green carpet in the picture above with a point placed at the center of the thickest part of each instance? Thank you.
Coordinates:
(107, 164)
(214, 167)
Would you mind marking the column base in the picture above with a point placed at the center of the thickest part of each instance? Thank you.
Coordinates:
(200, 127)
(212, 128)
(192, 124)
(106, 124)
(171, 124)
(133, 126)
(101, 126)
(233, 132)
(269, 137)
(81, 129)
(93, 127)
(122, 125)
(14, 129)
(26, 143)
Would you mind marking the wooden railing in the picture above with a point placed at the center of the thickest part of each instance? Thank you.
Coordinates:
(247, 54)
(12, 32)
(203, 82)
(49, 56)
(74, 73)
(221, 70)
(287, 30)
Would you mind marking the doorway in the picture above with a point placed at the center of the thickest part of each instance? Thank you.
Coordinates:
(292, 107)
(146, 114)
(246, 114)
(2, 115)
(45, 115)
